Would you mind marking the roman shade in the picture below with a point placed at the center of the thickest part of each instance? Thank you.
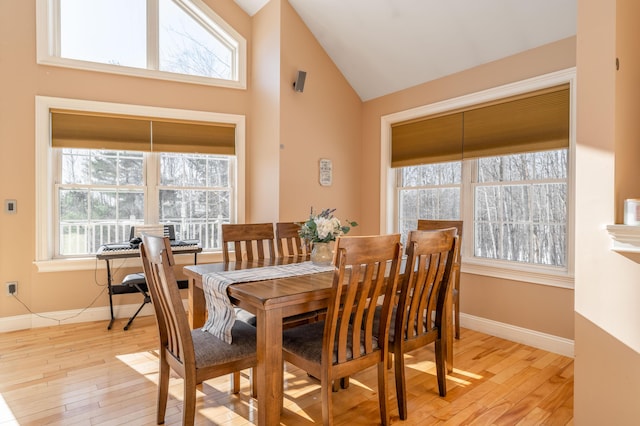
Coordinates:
(184, 136)
(432, 140)
(535, 121)
(79, 129)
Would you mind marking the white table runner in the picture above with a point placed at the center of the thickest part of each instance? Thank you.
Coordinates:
(221, 313)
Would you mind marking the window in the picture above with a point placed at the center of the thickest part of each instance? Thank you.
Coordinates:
(102, 193)
(520, 208)
(511, 187)
(94, 183)
(518, 203)
(430, 191)
(180, 40)
(99, 193)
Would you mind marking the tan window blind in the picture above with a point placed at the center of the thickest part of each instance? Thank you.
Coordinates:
(203, 138)
(73, 129)
(534, 121)
(432, 140)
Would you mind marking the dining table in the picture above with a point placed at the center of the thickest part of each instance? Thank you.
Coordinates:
(270, 301)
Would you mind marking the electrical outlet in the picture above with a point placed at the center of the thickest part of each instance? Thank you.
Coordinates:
(12, 288)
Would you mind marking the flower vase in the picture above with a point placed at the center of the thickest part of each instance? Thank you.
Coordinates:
(321, 254)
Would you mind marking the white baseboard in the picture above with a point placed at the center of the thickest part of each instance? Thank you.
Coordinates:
(536, 339)
(46, 319)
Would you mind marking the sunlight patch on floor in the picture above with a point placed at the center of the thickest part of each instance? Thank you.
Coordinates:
(429, 367)
(6, 415)
(144, 363)
(468, 374)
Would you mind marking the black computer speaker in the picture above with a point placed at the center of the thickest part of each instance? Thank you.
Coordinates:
(298, 85)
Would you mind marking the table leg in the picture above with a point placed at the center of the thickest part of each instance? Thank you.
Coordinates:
(270, 367)
(197, 305)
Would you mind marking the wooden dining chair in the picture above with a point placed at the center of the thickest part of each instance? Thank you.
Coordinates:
(194, 355)
(418, 319)
(344, 343)
(430, 225)
(288, 241)
(251, 241)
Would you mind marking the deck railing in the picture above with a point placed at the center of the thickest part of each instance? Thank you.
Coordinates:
(82, 238)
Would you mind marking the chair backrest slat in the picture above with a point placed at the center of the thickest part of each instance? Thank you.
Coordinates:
(249, 241)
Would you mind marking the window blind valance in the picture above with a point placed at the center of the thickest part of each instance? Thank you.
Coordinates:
(76, 129)
(534, 121)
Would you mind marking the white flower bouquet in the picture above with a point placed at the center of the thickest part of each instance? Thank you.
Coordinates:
(324, 227)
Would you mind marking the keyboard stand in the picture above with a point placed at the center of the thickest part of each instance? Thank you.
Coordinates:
(132, 283)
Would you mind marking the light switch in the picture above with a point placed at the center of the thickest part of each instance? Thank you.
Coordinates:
(10, 206)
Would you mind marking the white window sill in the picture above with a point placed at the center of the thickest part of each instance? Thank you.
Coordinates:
(536, 275)
(91, 263)
(626, 238)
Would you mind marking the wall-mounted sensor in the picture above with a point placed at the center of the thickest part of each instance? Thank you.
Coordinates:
(298, 85)
(10, 206)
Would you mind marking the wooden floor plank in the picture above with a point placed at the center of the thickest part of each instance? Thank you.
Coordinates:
(85, 374)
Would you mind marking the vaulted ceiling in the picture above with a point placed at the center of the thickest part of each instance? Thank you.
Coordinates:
(382, 46)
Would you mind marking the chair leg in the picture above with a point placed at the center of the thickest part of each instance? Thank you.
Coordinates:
(441, 369)
(401, 388)
(254, 382)
(383, 392)
(327, 403)
(235, 382)
(163, 389)
(189, 403)
(344, 382)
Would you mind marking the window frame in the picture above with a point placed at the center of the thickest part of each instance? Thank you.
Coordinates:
(538, 274)
(48, 45)
(46, 171)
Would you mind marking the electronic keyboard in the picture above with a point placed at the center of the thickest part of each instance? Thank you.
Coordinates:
(115, 250)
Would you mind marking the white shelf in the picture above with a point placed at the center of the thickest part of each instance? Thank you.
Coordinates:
(626, 238)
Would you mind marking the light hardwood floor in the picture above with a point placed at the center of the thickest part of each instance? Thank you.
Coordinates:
(82, 374)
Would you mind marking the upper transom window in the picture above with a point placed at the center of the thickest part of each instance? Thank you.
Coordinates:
(180, 40)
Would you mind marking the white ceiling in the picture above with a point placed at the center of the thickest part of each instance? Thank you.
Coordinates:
(382, 46)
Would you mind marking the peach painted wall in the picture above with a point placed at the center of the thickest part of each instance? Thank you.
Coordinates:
(537, 307)
(21, 80)
(607, 292)
(321, 122)
(264, 123)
